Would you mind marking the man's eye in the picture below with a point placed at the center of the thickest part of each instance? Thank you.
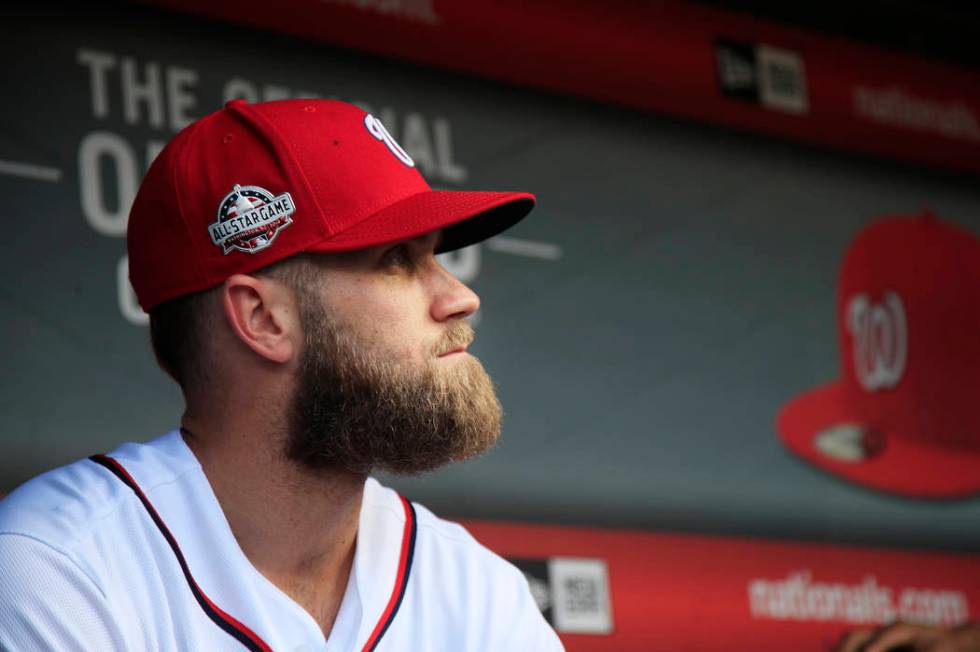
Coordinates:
(398, 257)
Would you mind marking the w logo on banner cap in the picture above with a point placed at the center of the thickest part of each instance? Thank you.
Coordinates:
(376, 129)
(880, 340)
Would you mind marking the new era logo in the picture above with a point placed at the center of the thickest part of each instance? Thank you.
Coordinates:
(762, 74)
(736, 70)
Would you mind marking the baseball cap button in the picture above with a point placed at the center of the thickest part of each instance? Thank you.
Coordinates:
(234, 102)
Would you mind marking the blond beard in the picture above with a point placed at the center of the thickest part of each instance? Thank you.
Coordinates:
(355, 410)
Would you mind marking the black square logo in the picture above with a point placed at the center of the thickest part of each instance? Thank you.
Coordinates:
(736, 66)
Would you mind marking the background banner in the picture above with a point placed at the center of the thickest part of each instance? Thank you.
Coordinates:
(622, 590)
(674, 57)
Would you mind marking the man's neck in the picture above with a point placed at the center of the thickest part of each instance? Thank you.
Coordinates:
(297, 527)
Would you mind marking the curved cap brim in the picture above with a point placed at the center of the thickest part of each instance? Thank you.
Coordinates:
(903, 465)
(466, 217)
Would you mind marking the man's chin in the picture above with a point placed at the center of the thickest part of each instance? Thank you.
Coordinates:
(426, 466)
(404, 425)
(464, 423)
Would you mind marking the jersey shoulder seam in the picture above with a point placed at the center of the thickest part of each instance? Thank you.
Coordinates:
(112, 506)
(60, 551)
(129, 494)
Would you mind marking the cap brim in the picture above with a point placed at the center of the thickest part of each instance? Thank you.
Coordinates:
(904, 466)
(465, 217)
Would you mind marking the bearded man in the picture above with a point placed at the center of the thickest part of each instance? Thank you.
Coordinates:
(286, 254)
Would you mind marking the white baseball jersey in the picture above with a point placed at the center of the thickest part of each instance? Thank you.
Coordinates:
(131, 551)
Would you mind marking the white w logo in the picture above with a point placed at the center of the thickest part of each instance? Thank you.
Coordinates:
(378, 130)
(880, 340)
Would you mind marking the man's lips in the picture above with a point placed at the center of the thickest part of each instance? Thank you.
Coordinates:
(458, 349)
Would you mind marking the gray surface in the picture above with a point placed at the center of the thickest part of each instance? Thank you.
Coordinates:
(641, 373)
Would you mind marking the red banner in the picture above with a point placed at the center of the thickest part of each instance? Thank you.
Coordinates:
(670, 57)
(716, 594)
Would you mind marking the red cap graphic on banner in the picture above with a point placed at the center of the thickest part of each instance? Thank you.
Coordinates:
(905, 416)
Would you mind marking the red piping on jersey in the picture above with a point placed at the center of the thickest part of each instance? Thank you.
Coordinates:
(235, 628)
(401, 578)
(221, 618)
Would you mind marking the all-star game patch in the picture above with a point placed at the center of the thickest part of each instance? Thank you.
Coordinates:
(250, 218)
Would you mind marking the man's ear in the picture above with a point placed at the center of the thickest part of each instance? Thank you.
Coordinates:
(261, 313)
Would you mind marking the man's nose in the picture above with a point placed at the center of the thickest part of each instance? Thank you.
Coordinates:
(453, 299)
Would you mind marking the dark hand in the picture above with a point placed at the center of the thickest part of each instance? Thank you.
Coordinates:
(905, 637)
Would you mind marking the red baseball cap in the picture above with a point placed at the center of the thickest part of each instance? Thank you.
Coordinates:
(905, 417)
(252, 184)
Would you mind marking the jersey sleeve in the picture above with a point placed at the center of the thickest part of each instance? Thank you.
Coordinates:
(48, 603)
(527, 629)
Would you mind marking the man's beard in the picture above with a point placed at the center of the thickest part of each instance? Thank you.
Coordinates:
(355, 410)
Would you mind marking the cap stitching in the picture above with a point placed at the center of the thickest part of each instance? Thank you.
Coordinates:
(201, 272)
(247, 111)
